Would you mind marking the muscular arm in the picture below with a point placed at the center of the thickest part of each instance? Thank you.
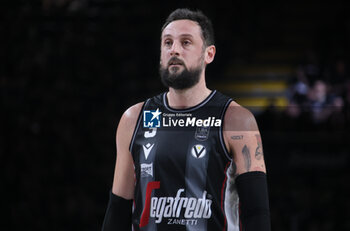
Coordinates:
(123, 183)
(243, 140)
(119, 209)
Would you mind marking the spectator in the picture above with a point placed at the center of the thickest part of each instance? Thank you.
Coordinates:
(300, 87)
(318, 102)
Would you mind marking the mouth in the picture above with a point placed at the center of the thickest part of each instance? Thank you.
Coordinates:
(175, 63)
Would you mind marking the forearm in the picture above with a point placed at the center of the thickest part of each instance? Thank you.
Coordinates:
(254, 203)
(118, 215)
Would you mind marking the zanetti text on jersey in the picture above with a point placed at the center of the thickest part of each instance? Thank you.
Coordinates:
(191, 122)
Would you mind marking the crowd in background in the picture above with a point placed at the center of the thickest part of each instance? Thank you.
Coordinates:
(310, 147)
(318, 99)
(324, 91)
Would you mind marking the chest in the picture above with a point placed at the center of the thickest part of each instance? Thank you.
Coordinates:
(175, 146)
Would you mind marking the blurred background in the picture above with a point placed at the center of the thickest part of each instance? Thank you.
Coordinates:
(69, 68)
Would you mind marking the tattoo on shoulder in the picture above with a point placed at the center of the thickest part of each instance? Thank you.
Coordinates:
(247, 159)
(258, 152)
(237, 137)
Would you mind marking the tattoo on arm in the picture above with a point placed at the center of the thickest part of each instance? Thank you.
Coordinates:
(258, 152)
(237, 137)
(246, 155)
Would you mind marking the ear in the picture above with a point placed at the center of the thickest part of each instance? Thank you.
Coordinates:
(209, 54)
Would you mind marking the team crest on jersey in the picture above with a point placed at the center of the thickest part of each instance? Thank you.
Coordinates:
(198, 151)
(202, 133)
(147, 170)
(151, 118)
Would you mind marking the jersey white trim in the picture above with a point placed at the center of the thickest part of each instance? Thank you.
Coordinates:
(165, 102)
(231, 202)
(221, 136)
(137, 125)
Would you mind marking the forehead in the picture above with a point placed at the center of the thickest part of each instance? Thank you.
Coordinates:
(182, 27)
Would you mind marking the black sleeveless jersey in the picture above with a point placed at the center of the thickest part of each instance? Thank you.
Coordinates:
(184, 176)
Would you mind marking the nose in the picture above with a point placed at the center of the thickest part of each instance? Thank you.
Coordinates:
(174, 51)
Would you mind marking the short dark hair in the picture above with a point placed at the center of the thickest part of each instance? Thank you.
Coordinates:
(196, 16)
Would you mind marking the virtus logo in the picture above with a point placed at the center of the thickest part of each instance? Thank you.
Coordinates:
(198, 151)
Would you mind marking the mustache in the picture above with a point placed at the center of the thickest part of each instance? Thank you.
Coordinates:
(175, 60)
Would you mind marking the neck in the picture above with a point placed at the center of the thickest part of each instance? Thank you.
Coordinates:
(181, 99)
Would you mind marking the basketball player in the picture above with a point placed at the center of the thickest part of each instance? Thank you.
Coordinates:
(190, 158)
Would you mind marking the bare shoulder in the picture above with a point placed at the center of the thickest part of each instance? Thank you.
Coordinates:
(130, 116)
(124, 171)
(127, 124)
(242, 139)
(239, 118)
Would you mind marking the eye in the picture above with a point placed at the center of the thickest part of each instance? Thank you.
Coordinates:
(186, 42)
(168, 43)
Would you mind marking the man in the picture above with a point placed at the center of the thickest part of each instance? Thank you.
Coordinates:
(190, 158)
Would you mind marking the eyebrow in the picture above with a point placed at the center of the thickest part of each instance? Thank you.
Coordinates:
(182, 35)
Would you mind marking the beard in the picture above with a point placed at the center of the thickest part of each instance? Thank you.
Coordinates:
(180, 80)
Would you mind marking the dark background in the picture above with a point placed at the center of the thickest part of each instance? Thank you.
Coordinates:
(69, 68)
